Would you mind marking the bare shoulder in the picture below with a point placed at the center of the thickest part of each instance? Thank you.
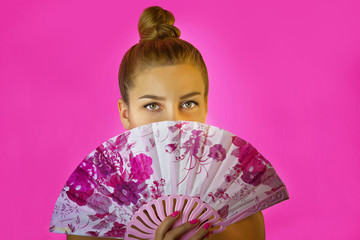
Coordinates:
(75, 237)
(250, 228)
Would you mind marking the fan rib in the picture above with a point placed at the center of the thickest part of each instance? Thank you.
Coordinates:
(143, 222)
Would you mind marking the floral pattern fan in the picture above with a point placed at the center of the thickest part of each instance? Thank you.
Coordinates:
(131, 182)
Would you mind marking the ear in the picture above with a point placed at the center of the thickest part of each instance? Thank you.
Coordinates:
(124, 114)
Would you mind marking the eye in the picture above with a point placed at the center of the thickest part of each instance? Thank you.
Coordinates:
(188, 104)
(151, 106)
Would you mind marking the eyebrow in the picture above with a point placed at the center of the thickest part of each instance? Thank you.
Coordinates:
(162, 98)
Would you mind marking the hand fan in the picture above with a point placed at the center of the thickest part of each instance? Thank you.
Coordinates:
(131, 182)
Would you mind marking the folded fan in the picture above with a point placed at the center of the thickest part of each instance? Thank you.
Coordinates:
(131, 182)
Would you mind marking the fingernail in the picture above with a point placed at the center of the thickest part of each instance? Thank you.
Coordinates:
(206, 226)
(207, 235)
(194, 221)
(175, 214)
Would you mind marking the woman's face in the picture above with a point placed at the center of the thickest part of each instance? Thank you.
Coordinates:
(167, 93)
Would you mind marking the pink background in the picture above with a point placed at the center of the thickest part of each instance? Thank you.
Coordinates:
(283, 75)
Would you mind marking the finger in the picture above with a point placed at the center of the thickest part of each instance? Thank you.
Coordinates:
(166, 225)
(181, 230)
(202, 232)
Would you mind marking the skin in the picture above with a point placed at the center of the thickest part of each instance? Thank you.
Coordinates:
(177, 93)
(172, 83)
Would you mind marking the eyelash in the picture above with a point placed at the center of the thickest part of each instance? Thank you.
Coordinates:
(196, 103)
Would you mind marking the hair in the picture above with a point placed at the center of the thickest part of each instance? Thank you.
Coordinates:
(159, 45)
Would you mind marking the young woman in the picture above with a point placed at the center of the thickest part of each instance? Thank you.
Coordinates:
(165, 78)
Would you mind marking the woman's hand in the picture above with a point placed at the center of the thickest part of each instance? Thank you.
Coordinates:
(163, 233)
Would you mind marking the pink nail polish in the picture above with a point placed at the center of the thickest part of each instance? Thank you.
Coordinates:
(207, 235)
(194, 221)
(206, 226)
(174, 214)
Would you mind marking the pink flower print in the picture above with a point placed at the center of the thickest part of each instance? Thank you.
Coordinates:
(220, 193)
(118, 230)
(217, 152)
(101, 225)
(107, 162)
(93, 217)
(256, 165)
(127, 192)
(193, 144)
(119, 143)
(99, 203)
(111, 217)
(180, 127)
(234, 173)
(170, 148)
(72, 227)
(212, 196)
(80, 187)
(262, 158)
(111, 160)
(97, 216)
(141, 167)
(228, 178)
(157, 190)
(162, 182)
(238, 141)
(152, 142)
(244, 152)
(253, 178)
(253, 172)
(88, 166)
(115, 180)
(145, 194)
(236, 152)
(177, 126)
(139, 204)
(92, 233)
(103, 189)
(271, 179)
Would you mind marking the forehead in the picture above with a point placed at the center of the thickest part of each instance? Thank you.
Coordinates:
(168, 80)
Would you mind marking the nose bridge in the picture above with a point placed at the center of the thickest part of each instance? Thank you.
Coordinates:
(173, 113)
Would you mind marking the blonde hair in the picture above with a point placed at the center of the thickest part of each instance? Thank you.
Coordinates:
(159, 45)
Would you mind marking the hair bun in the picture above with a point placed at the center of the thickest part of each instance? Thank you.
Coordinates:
(156, 22)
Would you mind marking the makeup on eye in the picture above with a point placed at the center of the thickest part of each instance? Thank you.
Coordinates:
(154, 103)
